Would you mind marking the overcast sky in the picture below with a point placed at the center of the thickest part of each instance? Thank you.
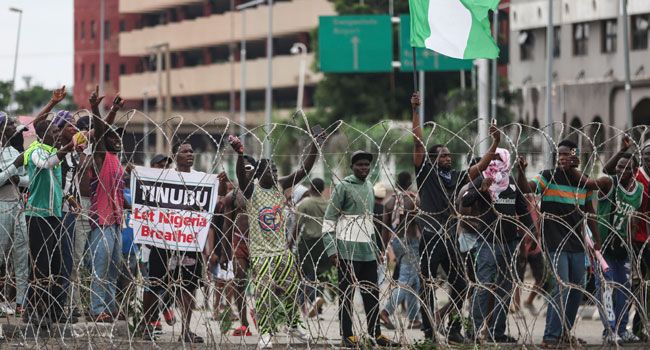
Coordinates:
(46, 42)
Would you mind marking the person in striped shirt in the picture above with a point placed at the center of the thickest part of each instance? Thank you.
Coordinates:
(565, 199)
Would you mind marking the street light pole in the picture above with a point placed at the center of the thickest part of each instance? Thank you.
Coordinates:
(300, 48)
(145, 127)
(102, 70)
(13, 80)
(269, 82)
(242, 59)
(626, 59)
(549, 85)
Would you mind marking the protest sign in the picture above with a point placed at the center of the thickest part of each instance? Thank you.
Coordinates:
(171, 209)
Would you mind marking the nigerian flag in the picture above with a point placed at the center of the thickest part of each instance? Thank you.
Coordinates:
(454, 28)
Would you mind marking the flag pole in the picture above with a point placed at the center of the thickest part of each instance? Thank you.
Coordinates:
(415, 73)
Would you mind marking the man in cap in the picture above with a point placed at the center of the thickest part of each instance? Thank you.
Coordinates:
(160, 161)
(351, 244)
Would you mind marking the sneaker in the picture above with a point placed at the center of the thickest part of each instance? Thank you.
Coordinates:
(384, 342)
(265, 341)
(242, 331)
(629, 337)
(351, 342)
(384, 320)
(504, 339)
(611, 339)
(316, 308)
(456, 338)
(298, 333)
(551, 344)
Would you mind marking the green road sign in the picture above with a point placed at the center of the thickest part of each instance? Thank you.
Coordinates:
(349, 44)
(426, 59)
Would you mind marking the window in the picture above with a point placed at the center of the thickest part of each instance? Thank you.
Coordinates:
(608, 35)
(122, 69)
(93, 30)
(107, 72)
(526, 45)
(557, 43)
(580, 39)
(640, 32)
(122, 26)
(83, 72)
(107, 30)
(83, 30)
(92, 72)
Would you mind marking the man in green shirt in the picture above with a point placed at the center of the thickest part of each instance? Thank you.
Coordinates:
(351, 244)
(43, 213)
(311, 250)
(618, 203)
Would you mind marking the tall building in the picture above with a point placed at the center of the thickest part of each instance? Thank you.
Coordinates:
(87, 43)
(588, 63)
(204, 39)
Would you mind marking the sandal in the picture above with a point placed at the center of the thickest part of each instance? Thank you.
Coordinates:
(242, 331)
(191, 337)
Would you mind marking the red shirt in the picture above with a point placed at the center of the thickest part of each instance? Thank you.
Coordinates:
(641, 234)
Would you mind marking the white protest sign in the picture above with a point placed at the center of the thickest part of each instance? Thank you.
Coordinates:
(172, 210)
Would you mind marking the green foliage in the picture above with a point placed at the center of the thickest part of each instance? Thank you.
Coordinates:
(31, 99)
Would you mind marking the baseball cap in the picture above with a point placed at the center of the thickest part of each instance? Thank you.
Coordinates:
(159, 158)
(358, 155)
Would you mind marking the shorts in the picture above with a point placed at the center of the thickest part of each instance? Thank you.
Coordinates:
(240, 247)
(170, 268)
(223, 274)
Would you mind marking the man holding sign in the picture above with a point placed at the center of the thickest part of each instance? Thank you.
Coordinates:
(172, 213)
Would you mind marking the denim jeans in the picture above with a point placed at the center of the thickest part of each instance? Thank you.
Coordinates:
(408, 289)
(67, 252)
(569, 268)
(495, 271)
(616, 295)
(13, 238)
(106, 251)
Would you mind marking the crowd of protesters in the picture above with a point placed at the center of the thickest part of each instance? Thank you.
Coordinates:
(65, 203)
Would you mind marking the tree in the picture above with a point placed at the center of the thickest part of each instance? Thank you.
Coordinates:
(31, 99)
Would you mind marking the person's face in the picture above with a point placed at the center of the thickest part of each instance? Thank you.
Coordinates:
(625, 170)
(185, 156)
(113, 142)
(52, 135)
(361, 169)
(269, 174)
(68, 132)
(645, 156)
(567, 156)
(443, 160)
(160, 165)
(8, 129)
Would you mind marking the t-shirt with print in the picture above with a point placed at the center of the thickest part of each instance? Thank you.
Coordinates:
(437, 194)
(562, 205)
(267, 222)
(614, 211)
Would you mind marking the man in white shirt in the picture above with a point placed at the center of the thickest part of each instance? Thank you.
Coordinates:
(13, 229)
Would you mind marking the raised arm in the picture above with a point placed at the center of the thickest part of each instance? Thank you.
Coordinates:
(57, 96)
(419, 151)
(476, 170)
(522, 182)
(245, 183)
(610, 166)
(387, 218)
(298, 175)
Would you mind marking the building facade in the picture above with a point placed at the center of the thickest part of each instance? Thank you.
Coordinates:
(588, 67)
(87, 43)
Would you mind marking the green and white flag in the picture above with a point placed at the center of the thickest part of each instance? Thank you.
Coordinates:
(454, 28)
